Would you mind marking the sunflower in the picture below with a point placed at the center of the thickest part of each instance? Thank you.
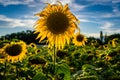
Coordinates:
(32, 45)
(114, 42)
(15, 51)
(37, 51)
(2, 56)
(105, 46)
(79, 39)
(61, 54)
(57, 24)
(94, 42)
(37, 61)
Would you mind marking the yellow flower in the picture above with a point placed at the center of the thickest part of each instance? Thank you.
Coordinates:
(37, 61)
(56, 23)
(2, 56)
(37, 51)
(114, 42)
(79, 39)
(105, 46)
(94, 42)
(32, 45)
(15, 51)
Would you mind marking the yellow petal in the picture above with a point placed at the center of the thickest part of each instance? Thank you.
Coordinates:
(43, 36)
(65, 8)
(62, 41)
(67, 37)
(39, 35)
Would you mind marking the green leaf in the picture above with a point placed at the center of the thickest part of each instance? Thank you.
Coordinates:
(39, 76)
(63, 69)
(43, 53)
(88, 66)
(88, 78)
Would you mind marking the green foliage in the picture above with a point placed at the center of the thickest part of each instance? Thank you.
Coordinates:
(89, 62)
(63, 71)
(88, 78)
(39, 76)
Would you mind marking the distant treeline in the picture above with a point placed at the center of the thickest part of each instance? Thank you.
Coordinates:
(28, 36)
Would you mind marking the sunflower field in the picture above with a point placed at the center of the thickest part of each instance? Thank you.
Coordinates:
(67, 55)
(89, 62)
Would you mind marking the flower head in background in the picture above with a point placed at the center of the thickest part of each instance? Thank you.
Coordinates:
(56, 23)
(2, 56)
(15, 51)
(32, 45)
(79, 39)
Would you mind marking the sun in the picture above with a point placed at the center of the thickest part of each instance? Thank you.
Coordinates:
(79, 39)
(57, 23)
(15, 51)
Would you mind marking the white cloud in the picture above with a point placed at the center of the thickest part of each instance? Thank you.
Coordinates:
(32, 3)
(110, 15)
(116, 1)
(102, 2)
(84, 20)
(76, 7)
(7, 22)
(96, 35)
(106, 26)
(29, 16)
(87, 20)
(109, 28)
(107, 15)
(115, 10)
(65, 1)
(15, 2)
(55, 1)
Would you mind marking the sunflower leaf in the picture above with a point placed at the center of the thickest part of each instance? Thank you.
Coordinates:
(39, 76)
(63, 69)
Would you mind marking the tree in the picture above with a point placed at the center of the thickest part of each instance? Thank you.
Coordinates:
(101, 36)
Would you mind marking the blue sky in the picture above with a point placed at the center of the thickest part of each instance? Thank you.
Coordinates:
(94, 15)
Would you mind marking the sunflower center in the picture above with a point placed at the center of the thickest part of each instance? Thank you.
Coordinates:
(80, 38)
(14, 50)
(57, 22)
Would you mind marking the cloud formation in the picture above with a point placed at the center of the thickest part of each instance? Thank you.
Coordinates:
(83, 10)
(109, 28)
(97, 35)
(7, 22)
(116, 1)
(15, 2)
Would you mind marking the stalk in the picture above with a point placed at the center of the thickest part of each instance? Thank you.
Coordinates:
(54, 62)
(5, 71)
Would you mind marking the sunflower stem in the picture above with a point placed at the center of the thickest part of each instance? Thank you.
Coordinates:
(5, 71)
(54, 61)
(17, 72)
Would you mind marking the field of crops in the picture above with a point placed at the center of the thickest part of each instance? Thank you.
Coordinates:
(67, 54)
(89, 62)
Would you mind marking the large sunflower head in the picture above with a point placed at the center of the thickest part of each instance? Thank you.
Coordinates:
(56, 23)
(15, 51)
(79, 39)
